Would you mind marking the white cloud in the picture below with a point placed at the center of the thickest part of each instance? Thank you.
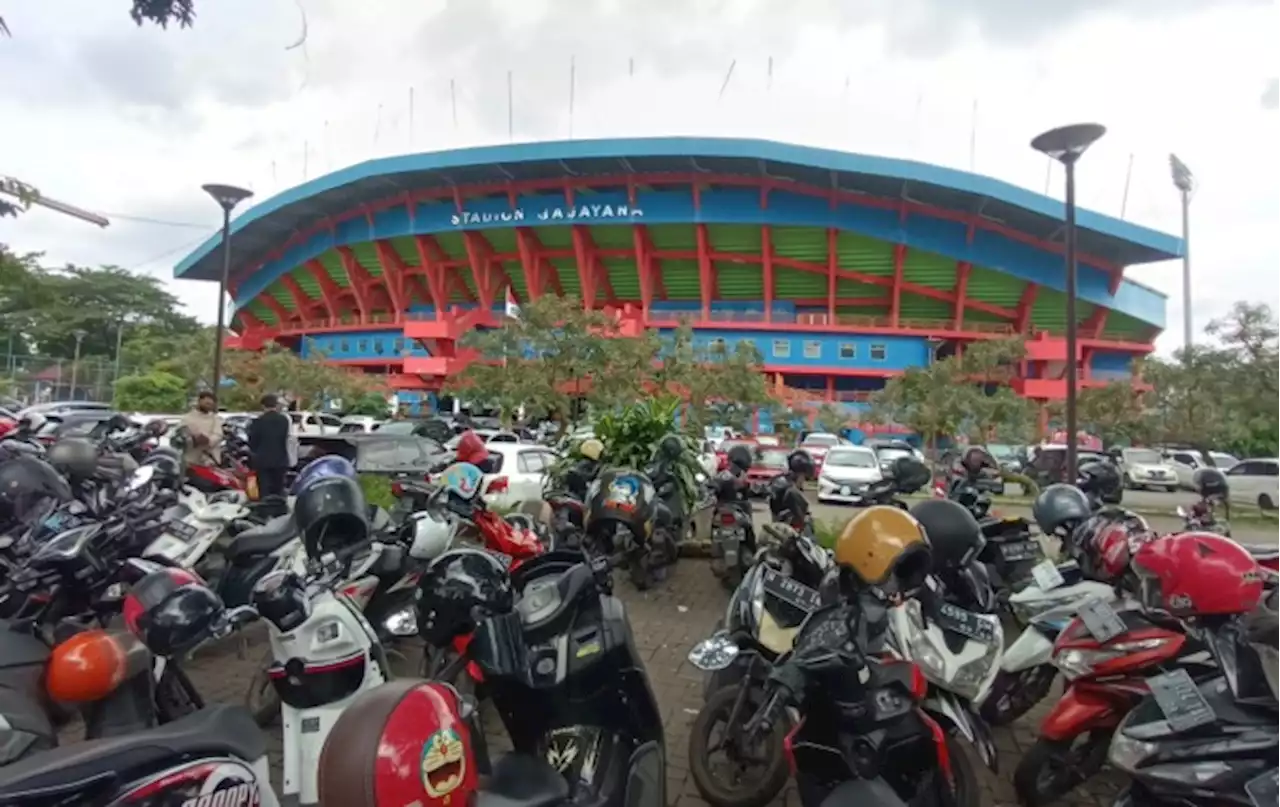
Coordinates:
(124, 120)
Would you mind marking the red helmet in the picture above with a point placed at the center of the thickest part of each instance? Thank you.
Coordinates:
(1197, 574)
(405, 742)
(1109, 540)
(471, 448)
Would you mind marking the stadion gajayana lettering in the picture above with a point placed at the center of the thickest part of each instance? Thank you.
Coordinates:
(583, 212)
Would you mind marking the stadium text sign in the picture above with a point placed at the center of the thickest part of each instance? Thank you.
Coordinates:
(582, 212)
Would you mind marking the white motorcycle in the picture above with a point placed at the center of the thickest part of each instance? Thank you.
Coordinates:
(959, 653)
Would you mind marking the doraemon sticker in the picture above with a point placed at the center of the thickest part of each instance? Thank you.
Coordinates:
(462, 479)
(444, 763)
(623, 493)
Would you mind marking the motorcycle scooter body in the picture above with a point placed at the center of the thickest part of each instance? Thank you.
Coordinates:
(1053, 609)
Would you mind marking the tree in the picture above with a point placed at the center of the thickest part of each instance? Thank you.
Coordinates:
(370, 405)
(718, 385)
(1116, 413)
(309, 382)
(160, 12)
(154, 392)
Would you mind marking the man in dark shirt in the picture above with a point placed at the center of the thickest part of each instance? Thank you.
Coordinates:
(269, 447)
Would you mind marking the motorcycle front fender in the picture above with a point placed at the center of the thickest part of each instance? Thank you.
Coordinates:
(956, 715)
(1031, 649)
(1085, 707)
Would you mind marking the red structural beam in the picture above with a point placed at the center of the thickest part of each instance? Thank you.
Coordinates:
(357, 279)
(644, 268)
(1022, 314)
(706, 279)
(306, 306)
(766, 262)
(963, 268)
(429, 259)
(330, 294)
(833, 267)
(480, 256)
(655, 262)
(895, 305)
(568, 185)
(586, 267)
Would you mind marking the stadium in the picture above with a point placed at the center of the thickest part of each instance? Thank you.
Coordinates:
(842, 269)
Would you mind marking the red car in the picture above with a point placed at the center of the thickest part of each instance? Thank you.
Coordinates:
(768, 464)
(818, 444)
(722, 450)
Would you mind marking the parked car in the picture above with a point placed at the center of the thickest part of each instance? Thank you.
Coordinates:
(1047, 462)
(383, 455)
(888, 451)
(767, 464)
(847, 471)
(62, 407)
(1256, 482)
(1186, 461)
(722, 450)
(315, 423)
(1147, 468)
(438, 429)
(519, 473)
(490, 436)
(817, 444)
(359, 424)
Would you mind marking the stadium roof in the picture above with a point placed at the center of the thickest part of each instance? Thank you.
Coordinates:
(264, 227)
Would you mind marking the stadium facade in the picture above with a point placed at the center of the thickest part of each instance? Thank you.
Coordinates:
(842, 269)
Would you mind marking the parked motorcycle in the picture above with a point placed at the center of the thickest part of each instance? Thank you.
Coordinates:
(733, 538)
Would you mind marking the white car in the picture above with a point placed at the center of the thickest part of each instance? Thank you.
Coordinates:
(489, 436)
(315, 423)
(520, 475)
(846, 472)
(1147, 468)
(1256, 482)
(1187, 461)
(359, 424)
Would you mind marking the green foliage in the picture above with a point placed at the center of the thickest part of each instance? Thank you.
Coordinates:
(156, 392)
(377, 490)
(631, 437)
(160, 12)
(1029, 487)
(371, 405)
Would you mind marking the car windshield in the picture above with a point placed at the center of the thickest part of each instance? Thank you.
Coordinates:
(821, 440)
(1000, 451)
(397, 427)
(1143, 456)
(727, 445)
(891, 454)
(850, 459)
(771, 459)
(1223, 461)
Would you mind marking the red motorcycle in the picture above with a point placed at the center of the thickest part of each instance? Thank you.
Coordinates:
(1106, 679)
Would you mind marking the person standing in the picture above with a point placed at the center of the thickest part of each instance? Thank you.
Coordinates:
(269, 447)
(205, 428)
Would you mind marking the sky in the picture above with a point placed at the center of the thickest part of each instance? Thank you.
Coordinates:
(267, 93)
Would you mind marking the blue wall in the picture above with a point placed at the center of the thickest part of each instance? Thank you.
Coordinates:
(823, 350)
(1106, 364)
(362, 345)
(732, 206)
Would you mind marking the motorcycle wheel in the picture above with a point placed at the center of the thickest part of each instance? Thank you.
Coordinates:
(1052, 768)
(759, 789)
(1014, 694)
(261, 699)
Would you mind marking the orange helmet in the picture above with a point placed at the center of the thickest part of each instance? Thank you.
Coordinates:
(91, 665)
(405, 742)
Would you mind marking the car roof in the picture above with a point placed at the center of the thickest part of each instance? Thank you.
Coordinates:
(859, 449)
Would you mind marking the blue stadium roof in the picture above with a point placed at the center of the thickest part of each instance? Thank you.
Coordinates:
(265, 226)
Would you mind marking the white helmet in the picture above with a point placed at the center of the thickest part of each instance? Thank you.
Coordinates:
(428, 534)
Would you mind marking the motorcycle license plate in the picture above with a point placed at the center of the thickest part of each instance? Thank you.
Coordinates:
(1020, 550)
(966, 623)
(1101, 620)
(1181, 701)
(181, 529)
(792, 592)
(1264, 790)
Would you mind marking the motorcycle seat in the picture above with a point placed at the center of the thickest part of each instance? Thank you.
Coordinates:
(264, 539)
(522, 780)
(213, 731)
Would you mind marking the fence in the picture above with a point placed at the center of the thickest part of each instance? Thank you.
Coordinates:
(41, 379)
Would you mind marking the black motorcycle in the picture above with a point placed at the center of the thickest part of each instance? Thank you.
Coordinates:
(733, 537)
(563, 671)
(626, 516)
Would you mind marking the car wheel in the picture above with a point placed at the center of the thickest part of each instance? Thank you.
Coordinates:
(1265, 502)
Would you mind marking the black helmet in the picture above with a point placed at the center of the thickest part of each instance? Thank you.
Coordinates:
(621, 497)
(75, 457)
(26, 482)
(171, 610)
(1099, 479)
(787, 504)
(1060, 506)
(118, 423)
(168, 465)
(1210, 482)
(975, 459)
(671, 447)
(800, 463)
(910, 474)
(952, 531)
(331, 514)
(740, 457)
(459, 587)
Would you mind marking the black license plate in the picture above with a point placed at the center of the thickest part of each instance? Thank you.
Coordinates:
(790, 591)
(1101, 620)
(1264, 790)
(1021, 550)
(966, 623)
(1181, 701)
(181, 529)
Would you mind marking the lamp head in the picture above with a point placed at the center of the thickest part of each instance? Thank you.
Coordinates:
(1066, 143)
(227, 196)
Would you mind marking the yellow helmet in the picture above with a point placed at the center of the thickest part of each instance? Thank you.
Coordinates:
(881, 541)
(591, 448)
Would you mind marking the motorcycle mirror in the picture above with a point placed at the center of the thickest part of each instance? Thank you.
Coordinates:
(141, 478)
(714, 653)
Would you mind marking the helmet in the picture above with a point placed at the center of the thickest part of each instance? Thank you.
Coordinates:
(670, 448)
(910, 474)
(25, 483)
(622, 497)
(1107, 542)
(168, 467)
(171, 610)
(405, 742)
(1060, 507)
(591, 449)
(471, 448)
(321, 468)
(427, 534)
(740, 457)
(800, 463)
(457, 588)
(954, 535)
(975, 459)
(1210, 482)
(1197, 573)
(882, 543)
(331, 513)
(75, 457)
(158, 427)
(118, 423)
(1099, 478)
(91, 665)
(32, 423)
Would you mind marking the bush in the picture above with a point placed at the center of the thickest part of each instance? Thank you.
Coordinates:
(377, 490)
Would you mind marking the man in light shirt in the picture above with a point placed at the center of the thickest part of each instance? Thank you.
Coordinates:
(205, 428)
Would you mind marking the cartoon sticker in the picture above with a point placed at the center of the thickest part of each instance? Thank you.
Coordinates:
(444, 763)
(462, 479)
(623, 492)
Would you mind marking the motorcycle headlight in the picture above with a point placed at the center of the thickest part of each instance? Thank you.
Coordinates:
(1195, 774)
(1025, 612)
(923, 653)
(970, 678)
(1127, 754)
(1078, 663)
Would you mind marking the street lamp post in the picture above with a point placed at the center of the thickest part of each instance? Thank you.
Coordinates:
(1184, 181)
(227, 197)
(1067, 144)
(75, 363)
